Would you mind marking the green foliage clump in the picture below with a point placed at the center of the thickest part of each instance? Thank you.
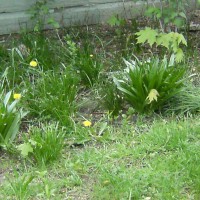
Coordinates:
(148, 85)
(171, 41)
(53, 96)
(169, 12)
(44, 144)
(40, 15)
(187, 101)
(88, 67)
(83, 61)
(111, 100)
(20, 186)
(10, 119)
(39, 47)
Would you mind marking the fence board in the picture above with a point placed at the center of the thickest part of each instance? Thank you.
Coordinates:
(9, 6)
(13, 22)
(97, 13)
(14, 15)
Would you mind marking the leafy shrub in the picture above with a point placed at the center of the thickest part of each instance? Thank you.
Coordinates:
(52, 96)
(44, 145)
(147, 85)
(10, 118)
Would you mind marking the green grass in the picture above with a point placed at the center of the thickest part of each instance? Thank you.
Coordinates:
(161, 162)
(52, 96)
(43, 144)
(123, 154)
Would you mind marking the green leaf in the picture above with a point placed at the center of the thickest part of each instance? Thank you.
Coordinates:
(12, 128)
(182, 14)
(103, 128)
(53, 23)
(7, 98)
(179, 55)
(113, 21)
(164, 40)
(149, 35)
(25, 149)
(178, 22)
(12, 106)
(181, 39)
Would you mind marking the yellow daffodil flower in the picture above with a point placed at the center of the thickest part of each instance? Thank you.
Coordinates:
(87, 123)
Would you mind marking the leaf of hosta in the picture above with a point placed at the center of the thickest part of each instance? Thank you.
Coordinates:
(25, 149)
(153, 94)
(148, 35)
(179, 55)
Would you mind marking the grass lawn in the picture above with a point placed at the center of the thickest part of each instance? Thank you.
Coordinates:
(77, 123)
(161, 161)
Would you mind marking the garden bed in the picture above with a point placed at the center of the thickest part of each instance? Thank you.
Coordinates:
(81, 137)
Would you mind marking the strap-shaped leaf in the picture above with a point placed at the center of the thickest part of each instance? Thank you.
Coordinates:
(7, 98)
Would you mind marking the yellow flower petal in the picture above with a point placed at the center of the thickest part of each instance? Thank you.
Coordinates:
(17, 96)
(153, 95)
(91, 55)
(87, 123)
(33, 63)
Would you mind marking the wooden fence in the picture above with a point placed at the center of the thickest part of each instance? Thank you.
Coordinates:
(15, 15)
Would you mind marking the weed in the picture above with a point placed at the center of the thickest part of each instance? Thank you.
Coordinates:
(170, 12)
(42, 49)
(187, 101)
(88, 66)
(20, 186)
(53, 96)
(40, 15)
(111, 99)
(44, 144)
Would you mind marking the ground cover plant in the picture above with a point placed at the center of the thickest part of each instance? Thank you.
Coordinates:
(94, 114)
(147, 85)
